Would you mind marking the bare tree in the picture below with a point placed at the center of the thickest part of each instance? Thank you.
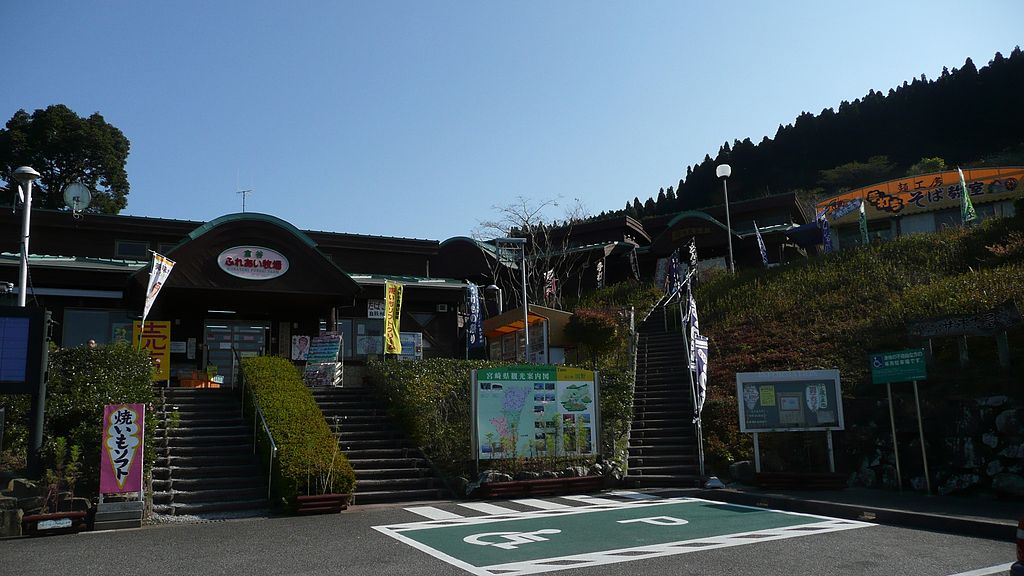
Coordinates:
(548, 246)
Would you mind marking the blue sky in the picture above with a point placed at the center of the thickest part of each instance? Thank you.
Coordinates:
(416, 118)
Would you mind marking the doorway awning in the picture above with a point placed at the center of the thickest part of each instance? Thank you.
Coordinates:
(512, 321)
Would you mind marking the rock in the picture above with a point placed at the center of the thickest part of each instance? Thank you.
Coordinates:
(1008, 423)
(21, 488)
(596, 470)
(994, 467)
(742, 471)
(526, 475)
(613, 473)
(548, 474)
(1009, 484)
(459, 484)
(958, 483)
(867, 477)
(10, 523)
(877, 459)
(489, 476)
(8, 503)
(918, 483)
(964, 454)
(990, 440)
(31, 505)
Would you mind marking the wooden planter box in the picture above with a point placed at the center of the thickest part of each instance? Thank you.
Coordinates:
(541, 487)
(322, 504)
(54, 523)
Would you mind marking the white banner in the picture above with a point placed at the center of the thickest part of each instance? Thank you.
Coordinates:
(158, 274)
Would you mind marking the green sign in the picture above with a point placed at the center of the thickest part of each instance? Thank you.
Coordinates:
(797, 400)
(903, 366)
(551, 540)
(530, 411)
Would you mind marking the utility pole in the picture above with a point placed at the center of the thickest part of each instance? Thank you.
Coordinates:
(244, 193)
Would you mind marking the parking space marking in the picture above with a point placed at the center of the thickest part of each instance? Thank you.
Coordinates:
(540, 504)
(592, 500)
(433, 513)
(488, 508)
(984, 571)
(633, 495)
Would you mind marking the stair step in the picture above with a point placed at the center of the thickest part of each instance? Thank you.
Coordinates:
(222, 482)
(188, 508)
(662, 481)
(193, 461)
(250, 468)
(206, 441)
(216, 496)
(378, 484)
(347, 444)
(360, 464)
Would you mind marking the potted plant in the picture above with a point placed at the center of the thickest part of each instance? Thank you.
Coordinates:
(59, 514)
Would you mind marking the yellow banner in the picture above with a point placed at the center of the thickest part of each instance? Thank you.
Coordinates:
(392, 317)
(156, 340)
(924, 193)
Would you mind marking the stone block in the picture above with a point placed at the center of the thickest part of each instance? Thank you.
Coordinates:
(22, 488)
(10, 523)
(8, 503)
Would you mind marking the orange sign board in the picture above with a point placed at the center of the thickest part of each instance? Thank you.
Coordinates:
(156, 340)
(924, 193)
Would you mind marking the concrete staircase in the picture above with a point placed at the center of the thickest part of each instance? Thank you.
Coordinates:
(663, 439)
(205, 463)
(388, 467)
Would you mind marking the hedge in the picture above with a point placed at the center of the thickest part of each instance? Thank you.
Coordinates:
(309, 460)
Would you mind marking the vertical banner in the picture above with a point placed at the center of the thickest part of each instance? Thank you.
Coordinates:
(475, 327)
(826, 234)
(760, 245)
(701, 343)
(121, 449)
(158, 274)
(967, 213)
(156, 340)
(692, 320)
(392, 317)
(862, 224)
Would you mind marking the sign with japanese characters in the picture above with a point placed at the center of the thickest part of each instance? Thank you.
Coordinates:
(375, 309)
(253, 262)
(534, 411)
(794, 401)
(155, 338)
(121, 449)
(901, 366)
(925, 193)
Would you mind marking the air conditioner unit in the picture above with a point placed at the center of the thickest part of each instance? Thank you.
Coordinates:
(442, 307)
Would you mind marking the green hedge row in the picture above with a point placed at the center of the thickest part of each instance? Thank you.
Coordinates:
(308, 458)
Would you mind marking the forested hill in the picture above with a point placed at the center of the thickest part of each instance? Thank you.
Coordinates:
(966, 117)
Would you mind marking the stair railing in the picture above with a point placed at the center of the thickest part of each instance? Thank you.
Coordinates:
(258, 421)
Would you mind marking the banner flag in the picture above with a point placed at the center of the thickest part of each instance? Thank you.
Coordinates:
(826, 234)
(693, 261)
(600, 274)
(760, 245)
(475, 327)
(158, 274)
(392, 317)
(702, 374)
(673, 280)
(121, 449)
(691, 319)
(634, 265)
(967, 213)
(863, 224)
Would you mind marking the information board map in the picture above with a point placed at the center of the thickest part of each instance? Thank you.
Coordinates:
(524, 411)
(789, 401)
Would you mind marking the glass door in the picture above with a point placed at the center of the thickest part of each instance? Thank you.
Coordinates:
(225, 337)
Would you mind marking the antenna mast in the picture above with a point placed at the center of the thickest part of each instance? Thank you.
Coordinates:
(244, 193)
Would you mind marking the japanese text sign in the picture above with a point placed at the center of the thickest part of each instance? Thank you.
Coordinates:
(121, 449)
(156, 340)
(902, 366)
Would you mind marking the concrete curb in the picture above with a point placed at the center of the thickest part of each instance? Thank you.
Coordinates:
(1005, 530)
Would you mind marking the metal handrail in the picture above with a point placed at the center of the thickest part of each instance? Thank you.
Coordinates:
(258, 413)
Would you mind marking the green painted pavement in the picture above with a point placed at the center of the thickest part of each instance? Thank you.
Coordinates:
(596, 530)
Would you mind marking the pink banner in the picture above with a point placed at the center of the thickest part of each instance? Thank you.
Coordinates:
(121, 451)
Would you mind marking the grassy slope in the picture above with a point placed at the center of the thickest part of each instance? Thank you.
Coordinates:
(830, 312)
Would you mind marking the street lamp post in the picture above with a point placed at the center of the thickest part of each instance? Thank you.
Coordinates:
(26, 175)
(521, 242)
(724, 171)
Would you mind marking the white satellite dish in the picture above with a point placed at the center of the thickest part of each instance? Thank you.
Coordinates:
(77, 197)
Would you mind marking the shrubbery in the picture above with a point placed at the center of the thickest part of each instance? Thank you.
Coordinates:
(308, 459)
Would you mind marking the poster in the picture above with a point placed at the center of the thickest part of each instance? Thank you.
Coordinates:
(412, 345)
(392, 317)
(121, 449)
(789, 401)
(300, 347)
(535, 410)
(156, 340)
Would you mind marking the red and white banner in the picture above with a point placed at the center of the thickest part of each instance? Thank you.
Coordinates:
(121, 450)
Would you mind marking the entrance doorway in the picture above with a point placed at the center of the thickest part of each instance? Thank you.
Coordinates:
(225, 337)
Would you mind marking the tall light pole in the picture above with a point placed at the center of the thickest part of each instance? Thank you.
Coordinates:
(724, 171)
(25, 175)
(521, 242)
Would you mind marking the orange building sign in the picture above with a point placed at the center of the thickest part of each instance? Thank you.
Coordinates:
(924, 193)
(155, 340)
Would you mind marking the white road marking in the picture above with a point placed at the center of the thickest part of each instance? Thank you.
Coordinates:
(591, 500)
(433, 513)
(488, 508)
(989, 570)
(633, 495)
(541, 504)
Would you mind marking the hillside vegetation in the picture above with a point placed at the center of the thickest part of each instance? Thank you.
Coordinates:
(831, 312)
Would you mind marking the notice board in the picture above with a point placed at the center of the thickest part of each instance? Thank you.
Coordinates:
(791, 401)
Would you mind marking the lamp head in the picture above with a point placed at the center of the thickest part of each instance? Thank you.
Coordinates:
(723, 171)
(26, 174)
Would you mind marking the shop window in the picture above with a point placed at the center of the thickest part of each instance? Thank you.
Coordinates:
(130, 250)
(368, 337)
(104, 326)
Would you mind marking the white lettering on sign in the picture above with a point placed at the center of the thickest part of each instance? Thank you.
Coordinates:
(657, 521)
(253, 262)
(511, 539)
(375, 309)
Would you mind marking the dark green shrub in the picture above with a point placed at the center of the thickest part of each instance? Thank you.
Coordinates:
(81, 382)
(308, 458)
(594, 329)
